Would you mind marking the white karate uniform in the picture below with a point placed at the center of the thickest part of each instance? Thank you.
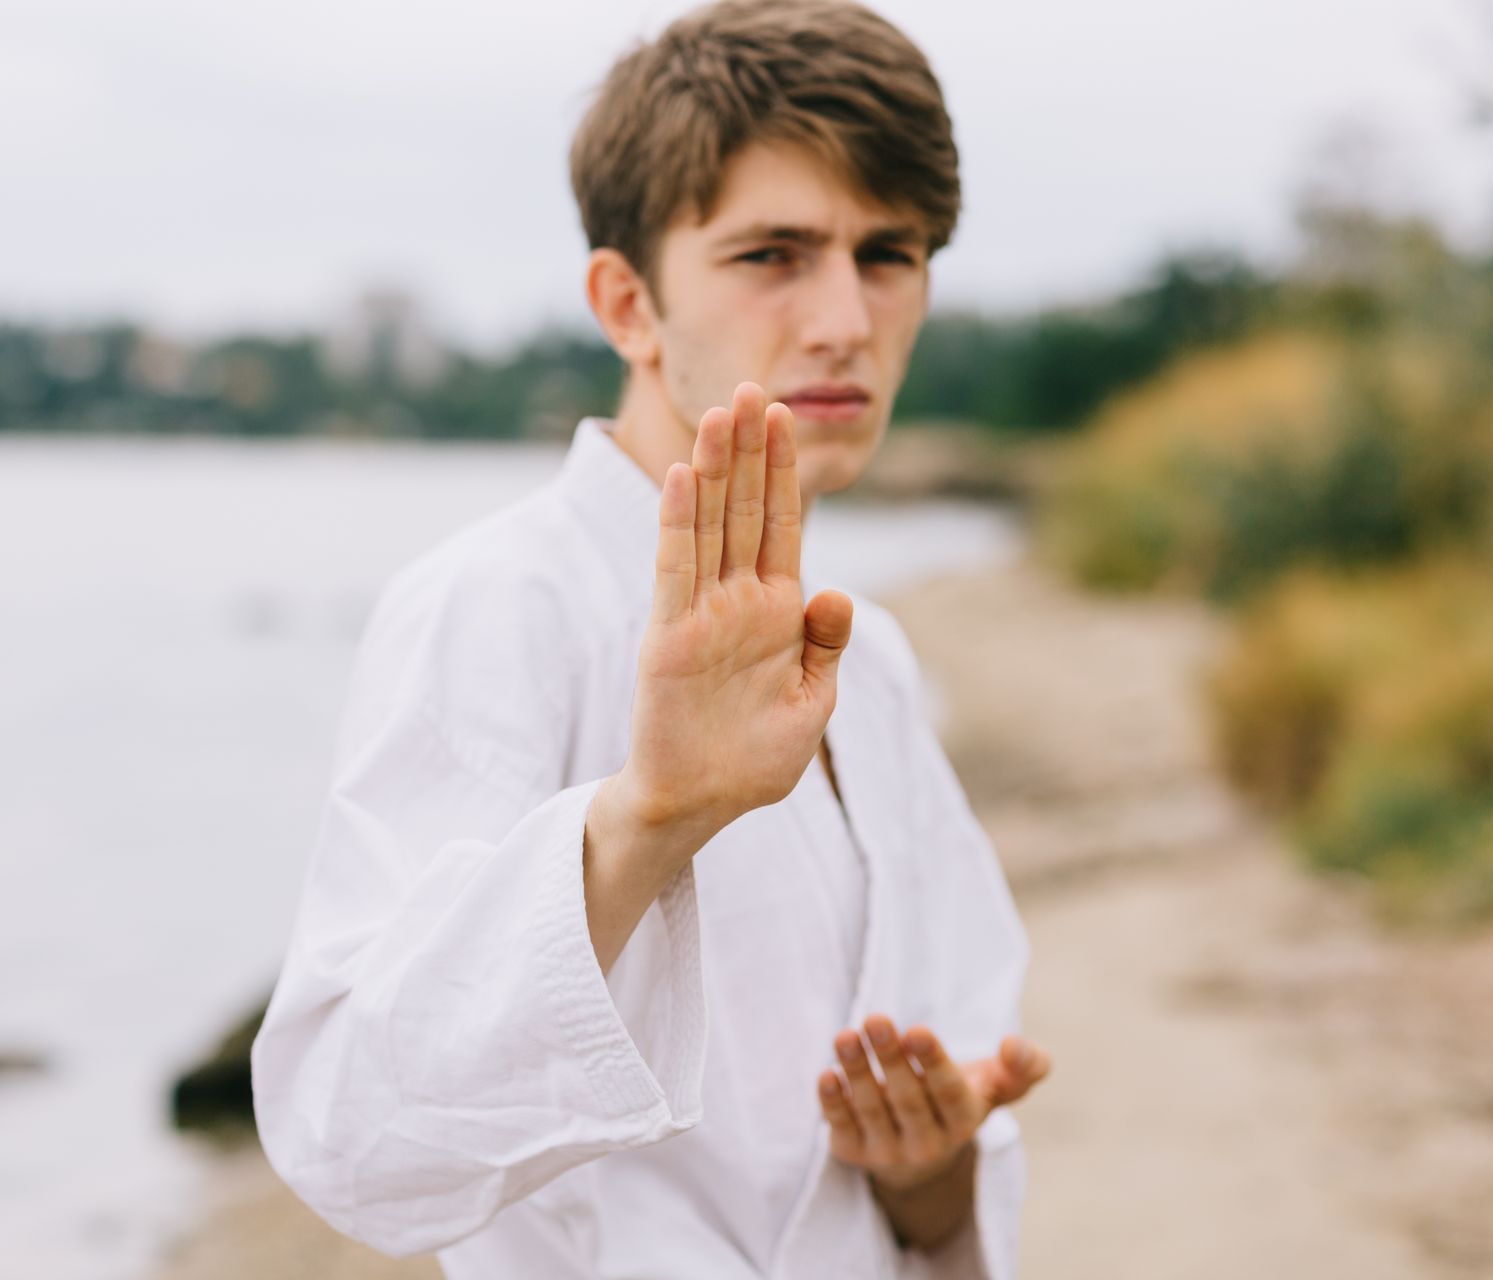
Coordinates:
(445, 1067)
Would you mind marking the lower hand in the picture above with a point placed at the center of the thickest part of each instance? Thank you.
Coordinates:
(912, 1128)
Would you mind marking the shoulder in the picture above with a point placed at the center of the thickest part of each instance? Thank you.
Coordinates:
(494, 616)
(531, 547)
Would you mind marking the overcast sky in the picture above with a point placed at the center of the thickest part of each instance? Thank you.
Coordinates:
(205, 165)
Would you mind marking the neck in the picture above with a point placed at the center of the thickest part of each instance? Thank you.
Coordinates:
(649, 431)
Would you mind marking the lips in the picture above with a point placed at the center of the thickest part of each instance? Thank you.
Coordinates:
(838, 393)
(828, 402)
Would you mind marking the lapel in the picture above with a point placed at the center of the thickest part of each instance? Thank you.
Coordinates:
(836, 1231)
(849, 741)
(862, 742)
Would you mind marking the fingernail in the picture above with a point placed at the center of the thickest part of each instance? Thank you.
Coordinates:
(880, 1033)
(1023, 1055)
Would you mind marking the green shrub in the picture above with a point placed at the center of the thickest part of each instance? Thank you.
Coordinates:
(1292, 450)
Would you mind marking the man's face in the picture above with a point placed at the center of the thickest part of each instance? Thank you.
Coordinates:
(796, 283)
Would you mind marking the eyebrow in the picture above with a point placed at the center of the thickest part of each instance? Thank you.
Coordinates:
(814, 237)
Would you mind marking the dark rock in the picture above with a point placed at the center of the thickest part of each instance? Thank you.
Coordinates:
(22, 1062)
(215, 1097)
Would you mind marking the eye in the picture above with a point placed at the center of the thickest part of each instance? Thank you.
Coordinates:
(885, 253)
(771, 256)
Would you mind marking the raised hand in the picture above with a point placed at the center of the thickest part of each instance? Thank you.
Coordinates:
(912, 1128)
(736, 678)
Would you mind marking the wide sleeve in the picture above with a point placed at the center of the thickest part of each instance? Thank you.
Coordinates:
(442, 1041)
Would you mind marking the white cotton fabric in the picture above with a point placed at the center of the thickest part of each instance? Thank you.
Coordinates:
(444, 1067)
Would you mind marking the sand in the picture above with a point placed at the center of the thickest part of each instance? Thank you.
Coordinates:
(1254, 1078)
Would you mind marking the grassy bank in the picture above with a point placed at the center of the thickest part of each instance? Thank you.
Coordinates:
(1333, 492)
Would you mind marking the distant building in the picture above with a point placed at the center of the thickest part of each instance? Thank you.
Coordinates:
(384, 340)
(159, 364)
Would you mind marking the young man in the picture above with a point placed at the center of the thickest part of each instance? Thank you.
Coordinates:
(604, 900)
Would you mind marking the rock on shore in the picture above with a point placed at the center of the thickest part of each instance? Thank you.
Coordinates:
(215, 1096)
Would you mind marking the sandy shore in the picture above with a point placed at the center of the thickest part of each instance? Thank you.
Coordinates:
(1253, 1079)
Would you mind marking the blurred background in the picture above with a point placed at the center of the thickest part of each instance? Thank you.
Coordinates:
(1188, 509)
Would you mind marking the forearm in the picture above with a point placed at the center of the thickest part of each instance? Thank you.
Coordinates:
(927, 1215)
(628, 861)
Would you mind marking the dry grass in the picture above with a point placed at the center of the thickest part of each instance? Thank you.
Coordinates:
(1361, 707)
(1295, 447)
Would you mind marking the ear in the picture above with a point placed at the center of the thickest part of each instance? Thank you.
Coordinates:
(623, 306)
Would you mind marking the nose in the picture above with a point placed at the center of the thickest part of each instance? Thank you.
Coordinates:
(837, 320)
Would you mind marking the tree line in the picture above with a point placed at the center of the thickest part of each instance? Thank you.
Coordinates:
(1044, 372)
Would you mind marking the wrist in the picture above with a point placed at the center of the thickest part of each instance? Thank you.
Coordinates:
(643, 830)
(920, 1179)
(927, 1213)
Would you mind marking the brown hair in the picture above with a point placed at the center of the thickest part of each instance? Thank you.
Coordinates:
(826, 74)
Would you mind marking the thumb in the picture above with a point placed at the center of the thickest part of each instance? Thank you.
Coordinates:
(826, 633)
(1010, 1074)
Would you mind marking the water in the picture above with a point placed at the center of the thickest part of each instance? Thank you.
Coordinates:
(176, 624)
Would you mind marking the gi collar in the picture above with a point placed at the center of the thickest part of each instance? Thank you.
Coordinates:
(618, 501)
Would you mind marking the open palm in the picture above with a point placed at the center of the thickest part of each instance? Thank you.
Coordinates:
(736, 678)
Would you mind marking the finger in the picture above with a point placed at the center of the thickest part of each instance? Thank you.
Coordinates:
(826, 633)
(866, 1098)
(782, 518)
(674, 564)
(712, 463)
(745, 487)
(906, 1092)
(846, 1139)
(951, 1092)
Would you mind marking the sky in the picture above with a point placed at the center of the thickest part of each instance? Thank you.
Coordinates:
(205, 166)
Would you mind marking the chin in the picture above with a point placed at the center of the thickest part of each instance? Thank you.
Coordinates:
(835, 471)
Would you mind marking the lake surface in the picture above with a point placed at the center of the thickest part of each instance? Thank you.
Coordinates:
(177, 620)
